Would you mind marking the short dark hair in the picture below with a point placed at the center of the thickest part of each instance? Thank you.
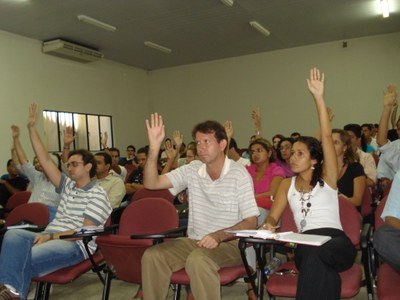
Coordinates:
(144, 150)
(367, 125)
(107, 157)
(211, 127)
(87, 157)
(233, 144)
(355, 128)
(9, 162)
(131, 146)
(114, 149)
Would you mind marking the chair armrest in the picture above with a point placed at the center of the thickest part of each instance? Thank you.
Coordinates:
(366, 236)
(78, 235)
(160, 236)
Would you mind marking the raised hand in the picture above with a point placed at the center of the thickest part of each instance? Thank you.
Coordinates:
(155, 130)
(229, 129)
(390, 97)
(15, 131)
(178, 138)
(169, 149)
(68, 136)
(104, 139)
(256, 116)
(316, 83)
(33, 108)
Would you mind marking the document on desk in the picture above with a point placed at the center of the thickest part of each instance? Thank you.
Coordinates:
(289, 236)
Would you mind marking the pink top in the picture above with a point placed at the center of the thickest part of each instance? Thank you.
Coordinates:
(262, 186)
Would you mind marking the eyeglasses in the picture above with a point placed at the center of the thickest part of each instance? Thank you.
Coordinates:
(73, 164)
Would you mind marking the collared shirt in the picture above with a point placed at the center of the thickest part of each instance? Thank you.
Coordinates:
(123, 174)
(43, 190)
(389, 161)
(214, 204)
(77, 204)
(392, 206)
(114, 187)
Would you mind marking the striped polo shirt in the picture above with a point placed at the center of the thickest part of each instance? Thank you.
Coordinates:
(90, 202)
(218, 204)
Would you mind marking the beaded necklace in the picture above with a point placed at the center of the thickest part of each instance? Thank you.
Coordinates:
(305, 200)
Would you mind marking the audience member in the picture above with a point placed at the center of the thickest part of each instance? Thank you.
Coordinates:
(221, 197)
(266, 175)
(27, 254)
(365, 159)
(387, 236)
(283, 154)
(371, 145)
(312, 196)
(130, 156)
(113, 185)
(351, 177)
(275, 144)
(11, 183)
(42, 189)
(295, 136)
(135, 179)
(116, 169)
(389, 162)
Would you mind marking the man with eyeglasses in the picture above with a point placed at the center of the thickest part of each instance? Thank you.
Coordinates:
(27, 254)
(221, 197)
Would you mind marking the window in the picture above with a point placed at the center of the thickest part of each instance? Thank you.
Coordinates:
(88, 130)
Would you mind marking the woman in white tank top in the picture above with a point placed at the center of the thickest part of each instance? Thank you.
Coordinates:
(313, 199)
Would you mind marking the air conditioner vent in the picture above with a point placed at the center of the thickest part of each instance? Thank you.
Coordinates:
(70, 50)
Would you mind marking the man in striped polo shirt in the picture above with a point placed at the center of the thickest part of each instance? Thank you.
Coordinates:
(221, 197)
(83, 203)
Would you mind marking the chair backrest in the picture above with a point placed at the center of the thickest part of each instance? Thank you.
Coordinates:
(18, 199)
(351, 220)
(349, 217)
(145, 193)
(387, 188)
(148, 215)
(379, 209)
(366, 202)
(129, 169)
(36, 213)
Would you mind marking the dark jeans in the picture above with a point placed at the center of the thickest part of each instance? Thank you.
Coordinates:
(319, 266)
(387, 242)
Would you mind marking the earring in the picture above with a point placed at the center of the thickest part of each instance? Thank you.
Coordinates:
(312, 168)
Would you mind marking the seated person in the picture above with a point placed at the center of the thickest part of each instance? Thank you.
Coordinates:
(387, 237)
(351, 181)
(283, 155)
(27, 254)
(11, 183)
(365, 159)
(312, 196)
(130, 156)
(135, 179)
(266, 175)
(113, 185)
(221, 197)
(43, 190)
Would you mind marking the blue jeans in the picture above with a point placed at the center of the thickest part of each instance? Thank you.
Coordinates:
(20, 260)
(52, 212)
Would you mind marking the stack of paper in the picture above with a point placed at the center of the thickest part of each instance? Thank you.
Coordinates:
(289, 236)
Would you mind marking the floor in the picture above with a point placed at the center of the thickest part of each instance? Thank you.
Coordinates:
(88, 287)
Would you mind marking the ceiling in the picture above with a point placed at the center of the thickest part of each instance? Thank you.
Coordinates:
(195, 30)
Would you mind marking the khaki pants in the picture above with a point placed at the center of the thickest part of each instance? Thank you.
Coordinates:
(202, 265)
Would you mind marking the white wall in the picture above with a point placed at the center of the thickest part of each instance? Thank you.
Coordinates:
(276, 82)
(105, 87)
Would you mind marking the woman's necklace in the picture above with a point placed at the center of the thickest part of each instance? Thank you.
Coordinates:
(305, 200)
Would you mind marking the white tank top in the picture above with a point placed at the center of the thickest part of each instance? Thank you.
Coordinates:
(320, 207)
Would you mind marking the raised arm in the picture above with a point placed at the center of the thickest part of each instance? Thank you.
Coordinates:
(156, 134)
(256, 116)
(389, 100)
(316, 87)
(51, 170)
(17, 145)
(68, 140)
(393, 117)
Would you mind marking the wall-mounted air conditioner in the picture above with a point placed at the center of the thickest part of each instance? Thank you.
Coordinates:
(70, 50)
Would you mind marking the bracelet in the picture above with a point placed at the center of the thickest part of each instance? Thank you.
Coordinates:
(51, 236)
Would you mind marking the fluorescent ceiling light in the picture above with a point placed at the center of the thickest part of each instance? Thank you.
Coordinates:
(385, 8)
(96, 23)
(261, 29)
(227, 2)
(157, 47)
